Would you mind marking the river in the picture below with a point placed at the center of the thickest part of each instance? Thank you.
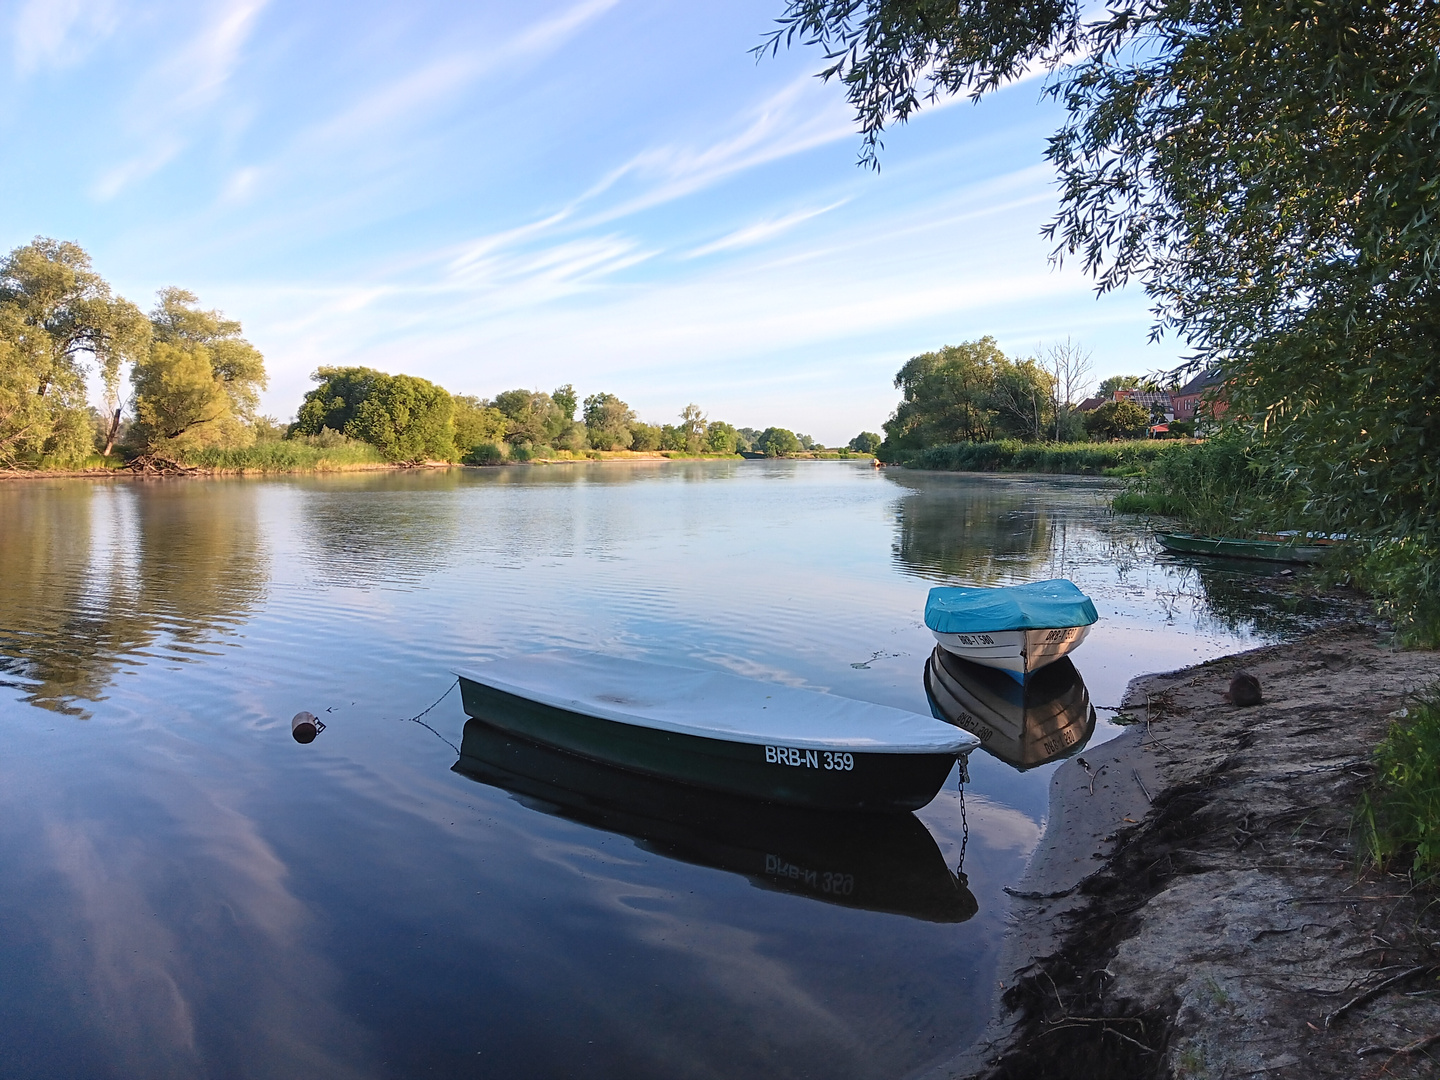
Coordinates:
(186, 891)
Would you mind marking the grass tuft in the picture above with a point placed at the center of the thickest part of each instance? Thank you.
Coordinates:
(1398, 819)
(287, 455)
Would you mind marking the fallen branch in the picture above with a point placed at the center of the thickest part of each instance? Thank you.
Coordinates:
(1400, 1051)
(1376, 990)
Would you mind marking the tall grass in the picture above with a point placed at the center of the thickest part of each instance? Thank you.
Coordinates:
(1399, 817)
(1214, 486)
(1013, 455)
(287, 455)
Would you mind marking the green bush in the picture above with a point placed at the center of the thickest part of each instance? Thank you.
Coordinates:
(485, 453)
(1403, 577)
(1399, 817)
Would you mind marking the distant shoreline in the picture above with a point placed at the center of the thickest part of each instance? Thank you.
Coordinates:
(201, 473)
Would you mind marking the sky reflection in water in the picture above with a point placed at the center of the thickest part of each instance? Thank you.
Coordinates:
(186, 891)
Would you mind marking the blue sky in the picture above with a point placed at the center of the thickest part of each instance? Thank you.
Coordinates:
(611, 193)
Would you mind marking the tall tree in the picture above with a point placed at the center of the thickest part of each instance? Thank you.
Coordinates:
(58, 317)
(692, 427)
(407, 419)
(336, 401)
(531, 416)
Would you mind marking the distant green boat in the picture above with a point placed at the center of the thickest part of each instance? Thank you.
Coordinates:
(1284, 550)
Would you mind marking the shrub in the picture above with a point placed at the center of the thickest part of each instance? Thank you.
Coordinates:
(1084, 458)
(485, 453)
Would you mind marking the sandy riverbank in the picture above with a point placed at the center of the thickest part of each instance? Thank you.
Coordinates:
(1194, 910)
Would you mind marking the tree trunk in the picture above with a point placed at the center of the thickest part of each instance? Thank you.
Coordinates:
(114, 429)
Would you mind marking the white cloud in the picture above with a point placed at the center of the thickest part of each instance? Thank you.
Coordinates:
(761, 231)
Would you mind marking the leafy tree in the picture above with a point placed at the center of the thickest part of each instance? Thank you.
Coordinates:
(407, 419)
(57, 316)
(644, 436)
(565, 400)
(200, 383)
(476, 422)
(746, 438)
(805, 441)
(946, 397)
(532, 416)
(867, 442)
(777, 442)
(1118, 382)
(671, 437)
(720, 437)
(335, 403)
(1022, 395)
(1118, 420)
(692, 429)
(608, 420)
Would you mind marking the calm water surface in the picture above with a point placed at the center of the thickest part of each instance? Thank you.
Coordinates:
(185, 891)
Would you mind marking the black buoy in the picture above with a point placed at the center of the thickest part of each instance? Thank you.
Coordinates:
(305, 727)
(1244, 689)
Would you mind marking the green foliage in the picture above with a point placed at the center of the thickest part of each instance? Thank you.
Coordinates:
(1399, 817)
(476, 422)
(565, 400)
(645, 436)
(692, 429)
(1404, 578)
(485, 453)
(1219, 487)
(867, 442)
(57, 316)
(328, 452)
(671, 437)
(777, 442)
(720, 437)
(1014, 455)
(531, 416)
(407, 419)
(199, 385)
(1117, 420)
(336, 401)
(608, 420)
(968, 393)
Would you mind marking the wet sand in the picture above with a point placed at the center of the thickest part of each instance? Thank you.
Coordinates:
(1194, 908)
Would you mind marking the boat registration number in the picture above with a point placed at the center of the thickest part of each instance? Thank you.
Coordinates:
(975, 639)
(809, 759)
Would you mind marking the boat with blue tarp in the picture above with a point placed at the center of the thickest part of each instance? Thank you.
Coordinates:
(1015, 628)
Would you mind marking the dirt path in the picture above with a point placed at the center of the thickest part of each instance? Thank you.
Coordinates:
(1194, 910)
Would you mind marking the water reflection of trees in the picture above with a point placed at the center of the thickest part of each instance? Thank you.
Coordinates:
(92, 574)
(981, 532)
(1257, 597)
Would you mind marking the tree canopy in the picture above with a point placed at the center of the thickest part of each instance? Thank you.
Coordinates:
(1265, 169)
(57, 318)
(608, 420)
(777, 442)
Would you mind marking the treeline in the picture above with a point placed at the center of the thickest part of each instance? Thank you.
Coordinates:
(195, 383)
(410, 419)
(973, 393)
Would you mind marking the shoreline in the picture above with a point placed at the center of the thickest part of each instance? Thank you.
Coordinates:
(1193, 910)
(198, 472)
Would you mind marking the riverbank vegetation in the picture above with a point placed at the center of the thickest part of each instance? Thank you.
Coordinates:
(194, 395)
(1399, 817)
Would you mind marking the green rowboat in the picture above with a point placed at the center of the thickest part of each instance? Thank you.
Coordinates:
(718, 731)
(1286, 551)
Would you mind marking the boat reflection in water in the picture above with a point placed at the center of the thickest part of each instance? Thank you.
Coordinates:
(878, 862)
(1048, 718)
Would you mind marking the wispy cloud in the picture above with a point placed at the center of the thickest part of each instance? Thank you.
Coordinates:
(761, 231)
(58, 33)
(176, 93)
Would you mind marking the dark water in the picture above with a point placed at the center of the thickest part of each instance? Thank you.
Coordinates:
(185, 891)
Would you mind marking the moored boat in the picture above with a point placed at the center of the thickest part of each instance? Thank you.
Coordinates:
(1024, 725)
(876, 862)
(719, 731)
(1016, 628)
(1287, 549)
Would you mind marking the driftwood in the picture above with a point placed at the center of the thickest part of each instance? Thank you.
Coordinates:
(160, 466)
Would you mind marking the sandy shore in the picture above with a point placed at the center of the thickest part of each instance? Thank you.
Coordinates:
(1194, 908)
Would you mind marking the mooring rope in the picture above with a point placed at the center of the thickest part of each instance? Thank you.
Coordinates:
(964, 824)
(416, 719)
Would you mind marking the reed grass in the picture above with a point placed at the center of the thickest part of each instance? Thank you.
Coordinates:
(1012, 455)
(1398, 819)
(287, 455)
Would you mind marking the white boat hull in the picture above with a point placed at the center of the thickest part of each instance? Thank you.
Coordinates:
(1018, 652)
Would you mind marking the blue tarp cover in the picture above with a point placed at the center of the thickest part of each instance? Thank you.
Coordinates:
(1040, 605)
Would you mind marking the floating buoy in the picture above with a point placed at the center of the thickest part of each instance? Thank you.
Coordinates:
(306, 726)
